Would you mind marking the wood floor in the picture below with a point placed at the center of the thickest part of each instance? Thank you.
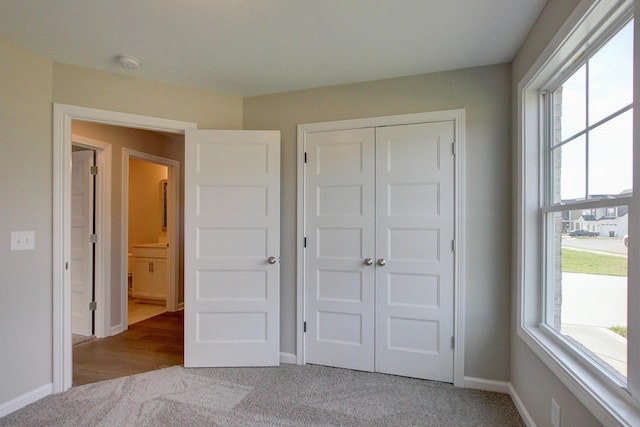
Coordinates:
(146, 346)
(139, 311)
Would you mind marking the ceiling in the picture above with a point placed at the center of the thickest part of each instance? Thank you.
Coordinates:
(253, 47)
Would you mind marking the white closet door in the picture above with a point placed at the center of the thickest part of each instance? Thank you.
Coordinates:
(232, 249)
(415, 229)
(81, 247)
(340, 217)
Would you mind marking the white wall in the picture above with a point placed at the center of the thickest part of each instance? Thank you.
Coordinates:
(485, 94)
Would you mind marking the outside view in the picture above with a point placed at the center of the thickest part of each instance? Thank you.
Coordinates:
(591, 159)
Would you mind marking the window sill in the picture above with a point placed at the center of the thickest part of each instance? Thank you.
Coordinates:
(610, 404)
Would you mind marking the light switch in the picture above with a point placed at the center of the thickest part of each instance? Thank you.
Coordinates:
(23, 240)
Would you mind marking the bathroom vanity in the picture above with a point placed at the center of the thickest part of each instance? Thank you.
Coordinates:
(150, 278)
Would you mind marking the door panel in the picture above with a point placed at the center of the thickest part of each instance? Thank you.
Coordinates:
(415, 230)
(81, 247)
(340, 231)
(232, 228)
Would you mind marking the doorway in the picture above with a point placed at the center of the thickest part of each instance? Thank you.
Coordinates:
(150, 198)
(154, 216)
(107, 310)
(148, 279)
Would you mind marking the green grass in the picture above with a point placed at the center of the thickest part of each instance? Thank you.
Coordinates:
(589, 263)
(620, 330)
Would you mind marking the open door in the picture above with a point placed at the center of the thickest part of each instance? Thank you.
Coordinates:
(232, 248)
(81, 245)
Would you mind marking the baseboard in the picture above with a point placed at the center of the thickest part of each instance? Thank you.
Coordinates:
(501, 387)
(526, 417)
(25, 399)
(115, 330)
(487, 385)
(288, 358)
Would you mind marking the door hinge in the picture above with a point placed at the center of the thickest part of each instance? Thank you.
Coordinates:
(93, 170)
(93, 238)
(305, 157)
(93, 306)
(453, 342)
(453, 148)
(453, 246)
(304, 327)
(305, 242)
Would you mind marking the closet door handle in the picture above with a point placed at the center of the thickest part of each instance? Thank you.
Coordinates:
(272, 260)
(368, 261)
(382, 262)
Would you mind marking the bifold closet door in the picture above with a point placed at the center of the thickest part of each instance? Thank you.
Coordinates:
(340, 237)
(414, 236)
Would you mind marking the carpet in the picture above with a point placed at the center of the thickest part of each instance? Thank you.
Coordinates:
(289, 395)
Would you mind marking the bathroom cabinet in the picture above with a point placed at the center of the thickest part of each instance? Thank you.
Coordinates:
(150, 278)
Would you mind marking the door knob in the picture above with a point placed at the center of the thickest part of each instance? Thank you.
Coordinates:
(272, 260)
(368, 261)
(382, 262)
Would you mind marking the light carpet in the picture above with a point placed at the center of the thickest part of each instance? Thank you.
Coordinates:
(289, 395)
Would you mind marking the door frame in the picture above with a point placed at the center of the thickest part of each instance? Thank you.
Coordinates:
(173, 232)
(458, 117)
(63, 115)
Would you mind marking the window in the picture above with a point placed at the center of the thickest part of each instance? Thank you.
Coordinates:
(576, 205)
(589, 153)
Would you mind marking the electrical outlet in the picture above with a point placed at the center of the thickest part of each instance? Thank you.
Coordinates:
(555, 413)
(23, 240)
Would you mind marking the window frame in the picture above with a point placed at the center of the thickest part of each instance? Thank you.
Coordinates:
(611, 402)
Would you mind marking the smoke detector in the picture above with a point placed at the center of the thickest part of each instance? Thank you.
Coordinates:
(129, 62)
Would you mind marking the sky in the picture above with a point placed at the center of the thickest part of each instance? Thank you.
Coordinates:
(610, 88)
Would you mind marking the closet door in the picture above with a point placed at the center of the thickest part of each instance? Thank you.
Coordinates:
(340, 234)
(414, 256)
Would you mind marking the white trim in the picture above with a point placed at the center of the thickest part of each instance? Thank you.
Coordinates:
(173, 229)
(458, 116)
(487, 385)
(25, 399)
(289, 358)
(62, 116)
(115, 330)
(519, 404)
(103, 152)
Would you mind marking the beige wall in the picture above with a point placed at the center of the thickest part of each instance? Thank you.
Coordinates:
(534, 382)
(116, 92)
(145, 202)
(26, 168)
(485, 94)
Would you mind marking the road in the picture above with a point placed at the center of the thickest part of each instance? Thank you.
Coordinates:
(596, 244)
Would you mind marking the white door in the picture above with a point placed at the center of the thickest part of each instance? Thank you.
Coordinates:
(379, 226)
(340, 237)
(232, 249)
(81, 247)
(415, 231)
